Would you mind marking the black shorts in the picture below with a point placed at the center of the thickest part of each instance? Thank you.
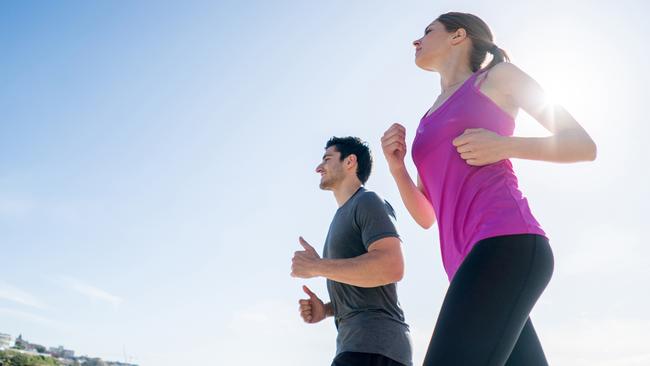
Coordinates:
(363, 359)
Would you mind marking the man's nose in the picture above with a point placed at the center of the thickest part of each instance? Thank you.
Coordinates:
(416, 42)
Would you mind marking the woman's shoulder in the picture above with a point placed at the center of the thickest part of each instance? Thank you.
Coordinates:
(506, 77)
(504, 69)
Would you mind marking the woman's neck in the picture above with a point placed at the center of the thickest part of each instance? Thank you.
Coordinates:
(453, 72)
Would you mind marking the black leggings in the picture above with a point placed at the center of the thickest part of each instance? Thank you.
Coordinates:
(484, 317)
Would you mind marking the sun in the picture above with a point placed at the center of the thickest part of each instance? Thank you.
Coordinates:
(567, 79)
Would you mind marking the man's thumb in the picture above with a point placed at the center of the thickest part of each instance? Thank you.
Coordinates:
(312, 296)
(306, 245)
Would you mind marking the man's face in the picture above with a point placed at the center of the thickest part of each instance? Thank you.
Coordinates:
(330, 169)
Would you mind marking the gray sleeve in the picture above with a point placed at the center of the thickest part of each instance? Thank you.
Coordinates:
(375, 219)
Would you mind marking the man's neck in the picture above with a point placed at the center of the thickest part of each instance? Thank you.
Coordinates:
(345, 191)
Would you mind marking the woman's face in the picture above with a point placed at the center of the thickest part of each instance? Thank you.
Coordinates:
(433, 46)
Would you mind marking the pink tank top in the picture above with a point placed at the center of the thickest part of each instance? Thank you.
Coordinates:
(471, 203)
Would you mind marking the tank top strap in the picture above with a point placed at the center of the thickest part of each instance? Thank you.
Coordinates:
(483, 74)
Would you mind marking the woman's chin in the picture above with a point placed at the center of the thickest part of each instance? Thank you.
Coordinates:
(423, 65)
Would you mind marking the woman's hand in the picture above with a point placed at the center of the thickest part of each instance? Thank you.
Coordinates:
(393, 143)
(478, 146)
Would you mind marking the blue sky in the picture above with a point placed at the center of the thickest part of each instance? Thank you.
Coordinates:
(156, 169)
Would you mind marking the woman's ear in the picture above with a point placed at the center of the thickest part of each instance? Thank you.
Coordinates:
(458, 36)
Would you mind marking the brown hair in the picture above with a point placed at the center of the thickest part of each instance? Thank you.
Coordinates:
(481, 36)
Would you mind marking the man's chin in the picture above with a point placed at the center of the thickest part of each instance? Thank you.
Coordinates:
(325, 186)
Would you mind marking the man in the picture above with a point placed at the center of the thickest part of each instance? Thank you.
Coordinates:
(362, 260)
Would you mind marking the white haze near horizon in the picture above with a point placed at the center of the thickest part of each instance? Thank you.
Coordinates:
(157, 167)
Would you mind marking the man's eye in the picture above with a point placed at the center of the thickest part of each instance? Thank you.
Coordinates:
(427, 31)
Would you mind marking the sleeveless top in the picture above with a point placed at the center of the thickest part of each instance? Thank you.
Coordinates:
(471, 203)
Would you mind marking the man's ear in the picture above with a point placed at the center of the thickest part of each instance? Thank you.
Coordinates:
(350, 161)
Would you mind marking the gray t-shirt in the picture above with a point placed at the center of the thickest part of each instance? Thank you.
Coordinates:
(368, 320)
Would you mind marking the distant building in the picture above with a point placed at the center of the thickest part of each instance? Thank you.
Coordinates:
(33, 347)
(61, 352)
(65, 356)
(20, 342)
(6, 341)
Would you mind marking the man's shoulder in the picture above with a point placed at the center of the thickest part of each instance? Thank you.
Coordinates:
(368, 197)
(370, 200)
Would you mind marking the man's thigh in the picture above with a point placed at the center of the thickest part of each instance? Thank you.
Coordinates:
(363, 359)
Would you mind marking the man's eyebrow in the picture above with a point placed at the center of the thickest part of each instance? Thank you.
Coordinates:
(326, 155)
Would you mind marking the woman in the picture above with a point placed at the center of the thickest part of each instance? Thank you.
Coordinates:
(495, 253)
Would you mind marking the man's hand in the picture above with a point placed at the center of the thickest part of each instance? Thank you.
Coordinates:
(304, 262)
(312, 310)
(478, 146)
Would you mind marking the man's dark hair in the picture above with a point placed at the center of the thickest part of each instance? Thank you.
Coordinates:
(353, 145)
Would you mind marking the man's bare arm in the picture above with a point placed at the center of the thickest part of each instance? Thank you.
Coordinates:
(383, 264)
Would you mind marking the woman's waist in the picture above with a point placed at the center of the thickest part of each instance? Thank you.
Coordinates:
(465, 225)
(479, 186)
(472, 210)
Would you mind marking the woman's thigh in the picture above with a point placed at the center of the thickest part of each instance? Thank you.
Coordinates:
(528, 350)
(489, 300)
